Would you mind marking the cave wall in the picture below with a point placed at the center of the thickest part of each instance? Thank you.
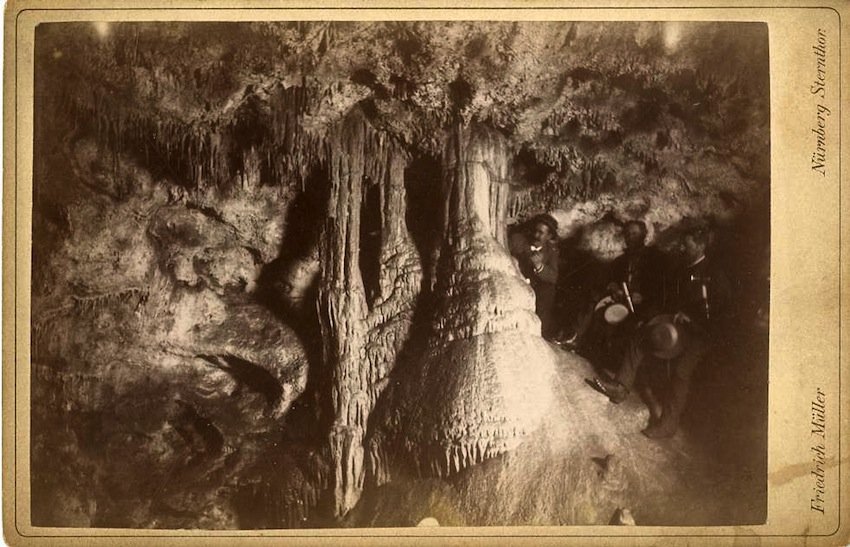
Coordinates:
(158, 380)
(228, 282)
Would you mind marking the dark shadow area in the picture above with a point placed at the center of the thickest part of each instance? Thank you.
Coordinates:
(725, 419)
(270, 497)
(369, 257)
(304, 221)
(728, 407)
(528, 169)
(422, 181)
(286, 293)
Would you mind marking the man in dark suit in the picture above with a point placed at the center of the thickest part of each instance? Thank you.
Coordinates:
(670, 346)
(539, 264)
(640, 268)
(636, 280)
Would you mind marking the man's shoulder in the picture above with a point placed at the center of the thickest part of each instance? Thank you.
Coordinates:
(654, 253)
(716, 270)
(709, 268)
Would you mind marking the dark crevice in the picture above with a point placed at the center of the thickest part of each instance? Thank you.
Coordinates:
(197, 431)
(461, 93)
(369, 258)
(423, 207)
(255, 253)
(248, 374)
(212, 213)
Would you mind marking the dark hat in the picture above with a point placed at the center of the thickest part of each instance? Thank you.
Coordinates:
(546, 219)
(664, 337)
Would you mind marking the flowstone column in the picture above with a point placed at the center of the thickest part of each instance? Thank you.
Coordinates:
(484, 379)
(362, 338)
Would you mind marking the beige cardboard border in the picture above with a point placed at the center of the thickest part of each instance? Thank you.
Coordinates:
(809, 268)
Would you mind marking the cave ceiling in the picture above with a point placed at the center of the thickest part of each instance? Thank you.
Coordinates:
(586, 110)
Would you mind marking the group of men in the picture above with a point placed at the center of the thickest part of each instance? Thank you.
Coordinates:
(655, 322)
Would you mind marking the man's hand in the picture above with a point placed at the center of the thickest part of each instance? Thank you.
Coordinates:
(681, 317)
(616, 292)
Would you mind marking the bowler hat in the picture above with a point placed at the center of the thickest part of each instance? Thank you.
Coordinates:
(664, 337)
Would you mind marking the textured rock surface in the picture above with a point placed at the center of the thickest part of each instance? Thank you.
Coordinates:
(156, 377)
(269, 268)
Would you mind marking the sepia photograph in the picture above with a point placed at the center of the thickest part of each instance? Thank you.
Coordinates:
(424, 274)
(313, 274)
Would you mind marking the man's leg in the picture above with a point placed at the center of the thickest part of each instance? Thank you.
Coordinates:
(545, 308)
(633, 358)
(676, 396)
(618, 389)
(584, 323)
(589, 336)
(652, 381)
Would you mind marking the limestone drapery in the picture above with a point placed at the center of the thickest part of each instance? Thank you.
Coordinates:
(360, 345)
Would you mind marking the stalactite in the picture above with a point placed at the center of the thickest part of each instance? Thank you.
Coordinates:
(202, 152)
(360, 345)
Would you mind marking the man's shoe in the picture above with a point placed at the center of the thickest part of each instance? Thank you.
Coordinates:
(660, 430)
(568, 344)
(571, 343)
(616, 392)
(655, 413)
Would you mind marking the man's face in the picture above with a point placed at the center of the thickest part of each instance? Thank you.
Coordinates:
(693, 249)
(633, 235)
(541, 234)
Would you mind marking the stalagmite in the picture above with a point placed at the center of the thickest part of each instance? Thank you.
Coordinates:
(483, 373)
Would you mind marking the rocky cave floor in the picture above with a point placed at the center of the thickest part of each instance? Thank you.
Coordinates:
(574, 470)
(712, 472)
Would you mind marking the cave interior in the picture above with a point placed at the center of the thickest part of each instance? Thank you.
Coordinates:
(272, 282)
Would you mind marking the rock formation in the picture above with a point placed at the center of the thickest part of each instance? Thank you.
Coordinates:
(483, 378)
(362, 333)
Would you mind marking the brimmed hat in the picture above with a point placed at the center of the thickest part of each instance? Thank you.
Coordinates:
(546, 219)
(664, 337)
